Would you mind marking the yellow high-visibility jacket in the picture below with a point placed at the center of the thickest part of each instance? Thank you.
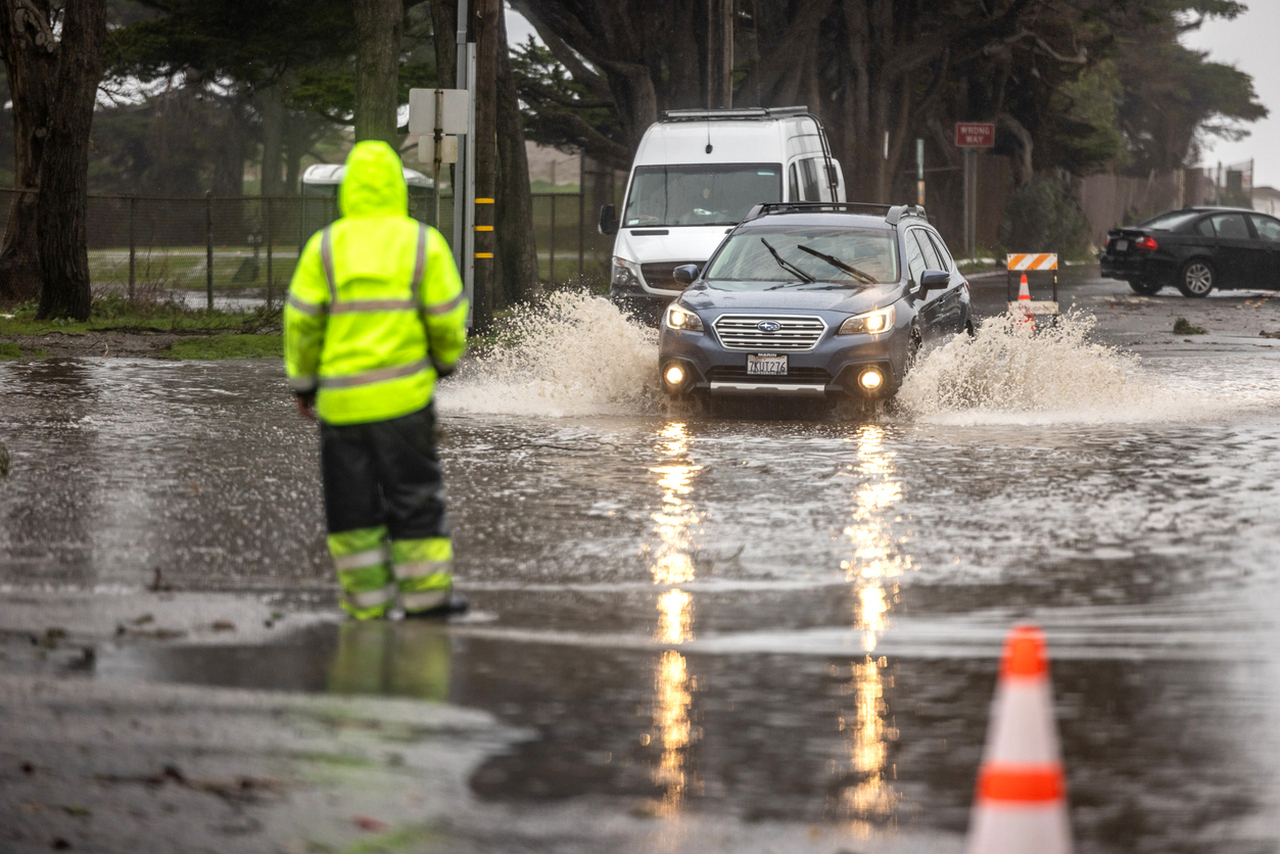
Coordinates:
(376, 304)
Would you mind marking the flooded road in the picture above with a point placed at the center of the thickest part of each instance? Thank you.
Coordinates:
(749, 632)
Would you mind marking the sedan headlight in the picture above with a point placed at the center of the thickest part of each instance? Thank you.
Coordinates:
(683, 319)
(869, 323)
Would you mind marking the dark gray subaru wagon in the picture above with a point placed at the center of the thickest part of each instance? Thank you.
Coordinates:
(819, 299)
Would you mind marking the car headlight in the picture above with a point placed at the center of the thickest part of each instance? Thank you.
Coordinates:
(683, 319)
(869, 323)
(626, 274)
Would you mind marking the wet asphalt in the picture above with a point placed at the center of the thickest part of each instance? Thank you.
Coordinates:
(755, 632)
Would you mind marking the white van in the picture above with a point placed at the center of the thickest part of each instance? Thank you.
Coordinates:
(696, 175)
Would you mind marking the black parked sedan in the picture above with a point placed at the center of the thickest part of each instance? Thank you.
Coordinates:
(817, 299)
(1196, 250)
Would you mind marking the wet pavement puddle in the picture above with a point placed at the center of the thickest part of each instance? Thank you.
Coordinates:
(774, 620)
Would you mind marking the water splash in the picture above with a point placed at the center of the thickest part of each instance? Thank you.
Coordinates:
(573, 355)
(1010, 374)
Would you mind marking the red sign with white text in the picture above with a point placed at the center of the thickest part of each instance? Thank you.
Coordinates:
(975, 135)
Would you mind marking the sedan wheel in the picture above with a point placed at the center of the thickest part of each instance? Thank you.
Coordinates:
(1197, 278)
(1146, 289)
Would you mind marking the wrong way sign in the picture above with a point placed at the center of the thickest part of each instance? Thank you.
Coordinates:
(975, 134)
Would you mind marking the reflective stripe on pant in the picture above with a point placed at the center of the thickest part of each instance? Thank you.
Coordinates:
(424, 571)
(360, 558)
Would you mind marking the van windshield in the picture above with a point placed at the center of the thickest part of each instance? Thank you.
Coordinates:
(719, 194)
(747, 261)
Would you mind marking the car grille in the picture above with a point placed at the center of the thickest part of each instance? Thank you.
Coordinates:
(738, 373)
(661, 275)
(794, 335)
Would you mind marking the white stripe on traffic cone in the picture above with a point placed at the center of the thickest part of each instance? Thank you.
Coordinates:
(1020, 804)
(1024, 303)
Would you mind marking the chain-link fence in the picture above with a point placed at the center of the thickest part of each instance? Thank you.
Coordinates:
(240, 251)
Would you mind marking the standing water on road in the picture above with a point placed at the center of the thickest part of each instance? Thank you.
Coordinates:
(786, 625)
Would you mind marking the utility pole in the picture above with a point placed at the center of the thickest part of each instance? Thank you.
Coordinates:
(720, 53)
(484, 22)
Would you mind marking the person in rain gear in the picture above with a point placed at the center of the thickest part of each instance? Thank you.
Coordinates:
(375, 316)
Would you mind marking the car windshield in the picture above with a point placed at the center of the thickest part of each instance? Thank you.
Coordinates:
(720, 194)
(1169, 221)
(844, 256)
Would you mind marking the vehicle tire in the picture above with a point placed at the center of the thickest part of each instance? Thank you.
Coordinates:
(1145, 288)
(1197, 278)
(969, 330)
(913, 349)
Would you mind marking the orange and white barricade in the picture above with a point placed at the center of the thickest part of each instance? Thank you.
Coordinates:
(1041, 265)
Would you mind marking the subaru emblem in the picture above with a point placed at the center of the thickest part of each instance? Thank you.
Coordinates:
(768, 326)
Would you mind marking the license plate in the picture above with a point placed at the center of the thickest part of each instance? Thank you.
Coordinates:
(767, 364)
(1122, 245)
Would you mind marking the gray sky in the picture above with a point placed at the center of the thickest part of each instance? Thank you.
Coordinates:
(1248, 42)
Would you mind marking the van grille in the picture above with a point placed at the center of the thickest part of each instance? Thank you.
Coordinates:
(794, 334)
(661, 275)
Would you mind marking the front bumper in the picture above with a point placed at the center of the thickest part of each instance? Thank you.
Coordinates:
(829, 370)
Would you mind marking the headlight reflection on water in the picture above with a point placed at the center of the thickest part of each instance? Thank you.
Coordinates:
(876, 561)
(672, 564)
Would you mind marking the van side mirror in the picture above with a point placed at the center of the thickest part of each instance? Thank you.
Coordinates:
(608, 220)
(685, 273)
(932, 280)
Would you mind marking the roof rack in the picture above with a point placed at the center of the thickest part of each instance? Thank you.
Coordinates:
(742, 113)
(892, 213)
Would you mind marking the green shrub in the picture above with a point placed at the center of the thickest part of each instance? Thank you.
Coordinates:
(1044, 215)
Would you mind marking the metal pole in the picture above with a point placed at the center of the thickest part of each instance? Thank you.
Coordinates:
(208, 254)
(469, 210)
(920, 172)
(462, 169)
(582, 213)
(968, 194)
(266, 216)
(133, 205)
(439, 138)
(551, 269)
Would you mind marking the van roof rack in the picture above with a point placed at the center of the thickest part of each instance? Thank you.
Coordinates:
(736, 113)
(892, 213)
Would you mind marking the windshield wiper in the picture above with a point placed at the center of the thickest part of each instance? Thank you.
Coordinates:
(837, 263)
(787, 265)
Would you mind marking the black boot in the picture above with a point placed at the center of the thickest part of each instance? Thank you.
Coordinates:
(454, 605)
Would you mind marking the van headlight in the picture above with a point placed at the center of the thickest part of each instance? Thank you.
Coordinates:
(869, 323)
(626, 274)
(682, 319)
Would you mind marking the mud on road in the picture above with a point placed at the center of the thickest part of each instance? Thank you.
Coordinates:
(752, 633)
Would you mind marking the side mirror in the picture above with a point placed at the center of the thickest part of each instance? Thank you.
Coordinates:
(932, 280)
(685, 273)
(608, 220)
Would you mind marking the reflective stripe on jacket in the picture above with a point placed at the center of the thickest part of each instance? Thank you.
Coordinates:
(375, 303)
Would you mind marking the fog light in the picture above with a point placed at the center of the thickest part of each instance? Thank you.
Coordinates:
(871, 379)
(674, 375)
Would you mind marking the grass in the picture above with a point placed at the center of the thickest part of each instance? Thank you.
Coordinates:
(10, 351)
(1182, 326)
(116, 313)
(228, 347)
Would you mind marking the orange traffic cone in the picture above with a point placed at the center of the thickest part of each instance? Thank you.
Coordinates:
(1024, 303)
(1020, 805)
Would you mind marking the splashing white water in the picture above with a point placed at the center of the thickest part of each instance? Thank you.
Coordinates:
(573, 355)
(1010, 374)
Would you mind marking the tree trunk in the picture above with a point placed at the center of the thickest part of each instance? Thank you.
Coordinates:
(516, 254)
(271, 102)
(444, 25)
(378, 24)
(62, 210)
(31, 62)
(485, 26)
